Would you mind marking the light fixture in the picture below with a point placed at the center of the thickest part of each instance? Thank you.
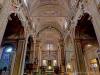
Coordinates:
(9, 49)
(49, 67)
(33, 25)
(44, 63)
(68, 66)
(89, 45)
(65, 25)
(94, 65)
(54, 62)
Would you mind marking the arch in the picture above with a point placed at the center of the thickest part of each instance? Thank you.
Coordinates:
(86, 18)
(86, 41)
(50, 27)
(14, 22)
(13, 31)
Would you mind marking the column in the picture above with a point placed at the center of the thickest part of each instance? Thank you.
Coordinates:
(32, 52)
(59, 56)
(40, 55)
(3, 20)
(17, 68)
(36, 61)
(34, 45)
(63, 67)
(92, 8)
(37, 50)
(81, 66)
(31, 49)
(80, 59)
(4, 13)
(95, 14)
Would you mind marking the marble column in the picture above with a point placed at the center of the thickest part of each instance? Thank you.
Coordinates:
(80, 59)
(79, 52)
(32, 52)
(59, 56)
(4, 13)
(73, 42)
(31, 57)
(93, 11)
(91, 7)
(63, 67)
(34, 45)
(36, 61)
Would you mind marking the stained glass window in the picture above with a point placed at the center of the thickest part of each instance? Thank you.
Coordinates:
(6, 57)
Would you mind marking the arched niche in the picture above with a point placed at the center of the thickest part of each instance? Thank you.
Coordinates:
(13, 32)
(87, 43)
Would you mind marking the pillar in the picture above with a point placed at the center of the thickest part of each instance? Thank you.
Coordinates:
(32, 52)
(59, 56)
(4, 13)
(3, 20)
(36, 59)
(91, 7)
(31, 56)
(37, 51)
(93, 11)
(79, 52)
(20, 51)
(63, 67)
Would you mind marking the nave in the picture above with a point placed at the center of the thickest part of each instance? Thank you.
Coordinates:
(49, 37)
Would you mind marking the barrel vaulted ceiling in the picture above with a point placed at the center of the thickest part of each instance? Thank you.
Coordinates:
(50, 18)
(48, 12)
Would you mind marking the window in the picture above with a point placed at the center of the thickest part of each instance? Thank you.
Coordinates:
(65, 25)
(49, 47)
(54, 62)
(44, 63)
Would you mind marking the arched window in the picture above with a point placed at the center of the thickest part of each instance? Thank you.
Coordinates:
(7, 55)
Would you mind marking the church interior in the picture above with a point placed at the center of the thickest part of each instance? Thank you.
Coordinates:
(49, 37)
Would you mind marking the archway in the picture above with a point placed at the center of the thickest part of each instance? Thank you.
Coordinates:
(49, 49)
(13, 32)
(86, 46)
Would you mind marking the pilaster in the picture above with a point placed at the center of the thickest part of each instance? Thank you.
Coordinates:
(63, 67)
(17, 69)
